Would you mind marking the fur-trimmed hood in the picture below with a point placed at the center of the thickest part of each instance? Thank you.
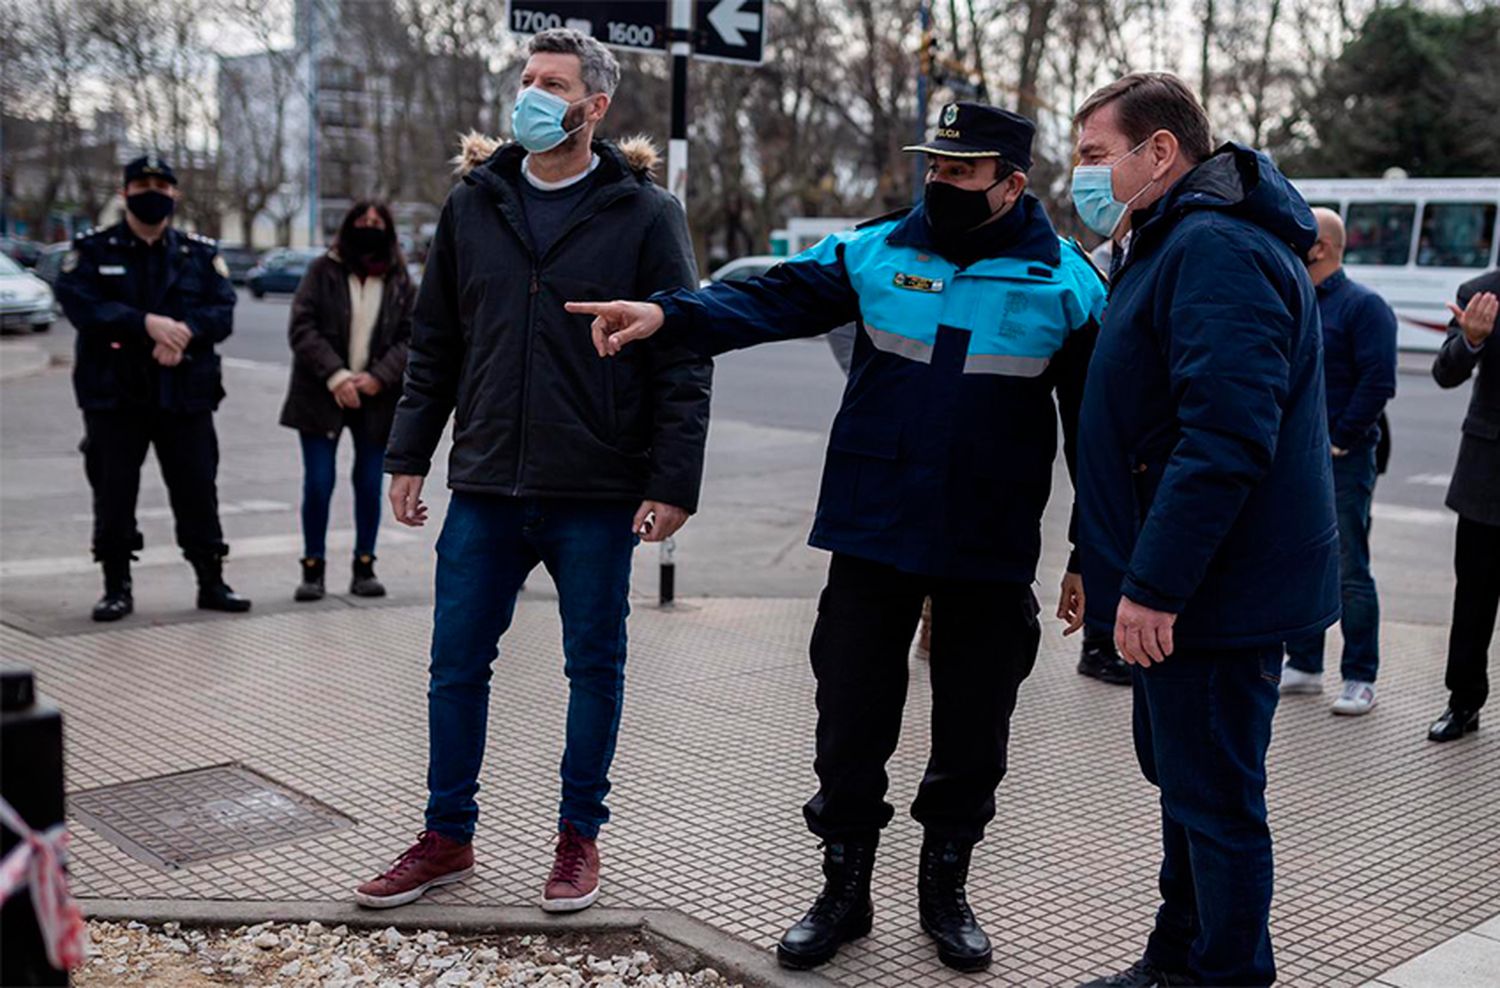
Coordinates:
(639, 152)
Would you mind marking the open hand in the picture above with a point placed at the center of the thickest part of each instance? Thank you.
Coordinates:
(1477, 319)
(618, 323)
(1143, 636)
(657, 522)
(406, 499)
(1070, 603)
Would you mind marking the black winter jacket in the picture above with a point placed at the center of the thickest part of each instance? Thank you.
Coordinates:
(319, 335)
(536, 411)
(100, 289)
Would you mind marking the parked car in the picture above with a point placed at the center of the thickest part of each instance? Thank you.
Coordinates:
(26, 302)
(743, 268)
(24, 252)
(240, 260)
(280, 271)
(49, 265)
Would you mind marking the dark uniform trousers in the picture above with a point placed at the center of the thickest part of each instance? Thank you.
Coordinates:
(187, 449)
(985, 637)
(1476, 601)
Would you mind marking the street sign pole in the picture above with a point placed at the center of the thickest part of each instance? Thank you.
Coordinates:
(682, 49)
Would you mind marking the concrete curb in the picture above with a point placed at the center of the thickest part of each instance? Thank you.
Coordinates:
(22, 360)
(680, 939)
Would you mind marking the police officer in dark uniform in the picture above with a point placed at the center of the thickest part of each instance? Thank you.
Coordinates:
(975, 323)
(149, 303)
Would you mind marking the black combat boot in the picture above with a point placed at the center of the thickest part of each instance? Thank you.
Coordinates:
(311, 587)
(944, 905)
(213, 593)
(364, 583)
(842, 911)
(117, 600)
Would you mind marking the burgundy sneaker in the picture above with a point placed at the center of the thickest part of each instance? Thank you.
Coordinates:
(432, 861)
(574, 882)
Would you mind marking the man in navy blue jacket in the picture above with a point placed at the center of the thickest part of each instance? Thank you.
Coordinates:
(972, 313)
(1205, 496)
(1359, 370)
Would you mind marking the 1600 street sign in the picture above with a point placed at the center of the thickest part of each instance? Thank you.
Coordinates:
(725, 30)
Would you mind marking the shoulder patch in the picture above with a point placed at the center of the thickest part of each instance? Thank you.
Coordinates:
(894, 214)
(221, 266)
(70, 262)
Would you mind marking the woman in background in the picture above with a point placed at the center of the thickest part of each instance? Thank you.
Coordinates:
(350, 324)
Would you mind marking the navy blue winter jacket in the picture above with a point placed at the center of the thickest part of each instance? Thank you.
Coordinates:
(1205, 484)
(1359, 359)
(940, 459)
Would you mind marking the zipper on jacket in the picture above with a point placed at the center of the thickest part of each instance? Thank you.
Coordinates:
(525, 420)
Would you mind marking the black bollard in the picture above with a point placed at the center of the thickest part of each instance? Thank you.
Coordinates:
(668, 584)
(31, 780)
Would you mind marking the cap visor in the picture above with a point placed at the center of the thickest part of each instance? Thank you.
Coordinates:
(950, 152)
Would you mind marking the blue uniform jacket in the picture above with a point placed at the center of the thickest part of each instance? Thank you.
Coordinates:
(940, 459)
(1359, 359)
(1205, 484)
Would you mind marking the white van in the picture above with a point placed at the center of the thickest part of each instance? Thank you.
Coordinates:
(1414, 240)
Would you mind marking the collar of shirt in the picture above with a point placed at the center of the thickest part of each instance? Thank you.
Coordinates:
(1332, 283)
(563, 183)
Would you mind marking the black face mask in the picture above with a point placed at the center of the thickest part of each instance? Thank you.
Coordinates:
(367, 241)
(951, 210)
(151, 206)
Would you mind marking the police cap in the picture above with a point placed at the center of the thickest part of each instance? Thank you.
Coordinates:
(149, 166)
(975, 130)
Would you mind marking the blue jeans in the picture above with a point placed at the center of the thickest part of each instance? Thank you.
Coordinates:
(1354, 489)
(1202, 723)
(488, 546)
(319, 468)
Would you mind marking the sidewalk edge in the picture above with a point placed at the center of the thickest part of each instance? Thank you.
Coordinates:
(730, 956)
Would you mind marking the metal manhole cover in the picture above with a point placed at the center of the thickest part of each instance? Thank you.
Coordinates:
(172, 821)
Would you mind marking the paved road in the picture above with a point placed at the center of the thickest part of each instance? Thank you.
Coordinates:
(772, 408)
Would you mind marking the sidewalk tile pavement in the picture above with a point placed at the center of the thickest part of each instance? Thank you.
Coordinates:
(1386, 845)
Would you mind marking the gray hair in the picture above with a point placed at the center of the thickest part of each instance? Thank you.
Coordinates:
(600, 70)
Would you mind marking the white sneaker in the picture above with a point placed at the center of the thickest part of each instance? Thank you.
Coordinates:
(1297, 681)
(1357, 699)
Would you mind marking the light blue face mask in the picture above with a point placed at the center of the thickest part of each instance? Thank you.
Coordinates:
(1094, 195)
(537, 120)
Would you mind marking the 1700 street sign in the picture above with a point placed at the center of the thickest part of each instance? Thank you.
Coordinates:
(725, 30)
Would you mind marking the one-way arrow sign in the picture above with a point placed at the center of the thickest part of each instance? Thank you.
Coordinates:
(731, 30)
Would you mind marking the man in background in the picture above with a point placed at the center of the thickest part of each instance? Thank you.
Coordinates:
(1469, 351)
(1359, 370)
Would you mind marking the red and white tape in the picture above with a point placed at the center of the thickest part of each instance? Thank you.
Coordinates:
(38, 862)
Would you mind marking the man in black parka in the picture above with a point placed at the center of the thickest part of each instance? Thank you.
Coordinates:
(558, 458)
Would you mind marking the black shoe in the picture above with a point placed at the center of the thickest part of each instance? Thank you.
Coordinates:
(213, 593)
(1453, 725)
(222, 598)
(944, 906)
(311, 587)
(364, 583)
(1099, 660)
(1141, 974)
(117, 601)
(842, 911)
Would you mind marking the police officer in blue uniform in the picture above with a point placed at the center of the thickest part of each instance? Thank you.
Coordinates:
(149, 303)
(973, 317)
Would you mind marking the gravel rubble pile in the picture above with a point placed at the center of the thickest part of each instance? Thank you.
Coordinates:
(294, 956)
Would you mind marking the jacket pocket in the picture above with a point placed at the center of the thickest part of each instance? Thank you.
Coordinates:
(864, 476)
